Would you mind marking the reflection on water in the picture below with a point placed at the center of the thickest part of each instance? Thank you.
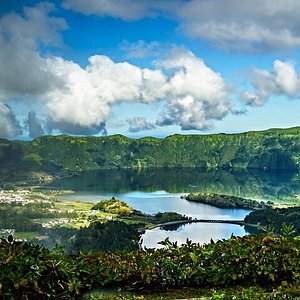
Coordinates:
(197, 232)
(258, 184)
(159, 190)
(152, 203)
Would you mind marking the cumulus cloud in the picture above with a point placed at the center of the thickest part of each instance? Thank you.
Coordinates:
(89, 93)
(79, 100)
(286, 78)
(282, 80)
(29, 76)
(138, 124)
(24, 74)
(196, 94)
(23, 70)
(34, 125)
(9, 126)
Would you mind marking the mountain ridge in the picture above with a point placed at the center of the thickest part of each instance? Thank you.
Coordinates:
(66, 155)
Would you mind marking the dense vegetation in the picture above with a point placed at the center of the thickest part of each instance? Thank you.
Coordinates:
(29, 271)
(108, 225)
(109, 236)
(276, 218)
(166, 217)
(271, 149)
(113, 206)
(32, 272)
(27, 220)
(225, 201)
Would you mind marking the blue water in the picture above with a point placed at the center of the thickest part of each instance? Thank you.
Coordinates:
(197, 232)
(159, 190)
(161, 201)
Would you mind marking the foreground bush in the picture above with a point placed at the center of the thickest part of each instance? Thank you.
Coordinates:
(32, 272)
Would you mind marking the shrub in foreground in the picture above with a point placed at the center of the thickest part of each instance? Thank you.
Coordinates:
(28, 271)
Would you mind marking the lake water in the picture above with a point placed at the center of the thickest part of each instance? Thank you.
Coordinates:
(159, 190)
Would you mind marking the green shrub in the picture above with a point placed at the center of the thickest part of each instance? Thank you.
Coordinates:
(32, 272)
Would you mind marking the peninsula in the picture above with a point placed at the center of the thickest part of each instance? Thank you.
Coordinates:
(225, 201)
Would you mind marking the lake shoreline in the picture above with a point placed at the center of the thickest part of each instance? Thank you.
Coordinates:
(75, 214)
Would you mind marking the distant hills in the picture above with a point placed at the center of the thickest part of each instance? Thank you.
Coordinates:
(63, 155)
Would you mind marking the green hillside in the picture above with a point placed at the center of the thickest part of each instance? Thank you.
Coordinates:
(65, 155)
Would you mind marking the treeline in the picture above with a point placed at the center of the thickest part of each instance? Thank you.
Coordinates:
(226, 201)
(276, 218)
(98, 236)
(271, 149)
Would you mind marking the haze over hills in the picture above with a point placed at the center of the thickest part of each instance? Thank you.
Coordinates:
(67, 155)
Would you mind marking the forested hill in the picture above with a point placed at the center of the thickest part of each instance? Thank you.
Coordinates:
(270, 149)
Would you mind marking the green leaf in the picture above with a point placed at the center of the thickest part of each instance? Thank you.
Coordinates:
(23, 282)
(194, 257)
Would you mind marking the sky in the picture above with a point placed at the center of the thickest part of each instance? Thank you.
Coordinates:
(148, 67)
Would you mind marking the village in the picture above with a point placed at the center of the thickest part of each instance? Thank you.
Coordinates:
(19, 206)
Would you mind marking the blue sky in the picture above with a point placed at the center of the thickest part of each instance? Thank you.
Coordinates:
(141, 67)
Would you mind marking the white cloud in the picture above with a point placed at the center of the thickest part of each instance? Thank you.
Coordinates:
(128, 10)
(29, 76)
(34, 125)
(141, 49)
(124, 9)
(24, 74)
(196, 94)
(22, 68)
(74, 128)
(23, 71)
(154, 85)
(286, 78)
(82, 103)
(248, 25)
(9, 126)
(33, 26)
(89, 93)
(283, 80)
(80, 100)
(138, 124)
(252, 99)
